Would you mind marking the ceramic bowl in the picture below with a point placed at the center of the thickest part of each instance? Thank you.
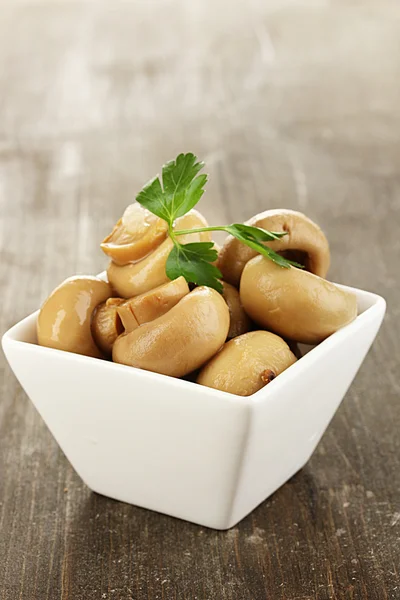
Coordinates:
(180, 448)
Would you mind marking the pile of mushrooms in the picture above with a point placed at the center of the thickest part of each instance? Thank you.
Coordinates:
(236, 342)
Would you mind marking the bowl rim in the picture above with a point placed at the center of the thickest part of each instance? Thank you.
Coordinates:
(376, 305)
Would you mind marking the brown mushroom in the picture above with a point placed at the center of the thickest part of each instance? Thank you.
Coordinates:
(305, 243)
(294, 303)
(65, 318)
(118, 315)
(135, 235)
(181, 340)
(247, 363)
(158, 301)
(127, 317)
(144, 275)
(239, 321)
(106, 325)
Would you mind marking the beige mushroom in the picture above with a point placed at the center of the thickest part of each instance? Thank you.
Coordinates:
(181, 340)
(106, 324)
(137, 278)
(305, 243)
(294, 303)
(247, 363)
(118, 315)
(127, 317)
(135, 235)
(158, 301)
(64, 321)
(239, 321)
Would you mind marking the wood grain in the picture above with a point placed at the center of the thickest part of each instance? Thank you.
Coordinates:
(290, 104)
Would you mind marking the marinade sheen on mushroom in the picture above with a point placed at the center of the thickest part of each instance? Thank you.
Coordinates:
(117, 315)
(231, 340)
(137, 277)
(134, 236)
(65, 318)
(304, 241)
(294, 303)
(179, 341)
(247, 363)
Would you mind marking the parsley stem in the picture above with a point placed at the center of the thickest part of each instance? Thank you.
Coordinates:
(172, 234)
(198, 230)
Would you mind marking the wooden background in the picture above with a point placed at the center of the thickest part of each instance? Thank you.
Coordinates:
(292, 104)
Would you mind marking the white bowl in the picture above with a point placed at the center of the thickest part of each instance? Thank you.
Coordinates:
(180, 448)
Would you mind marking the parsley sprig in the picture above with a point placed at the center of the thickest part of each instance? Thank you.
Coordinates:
(179, 190)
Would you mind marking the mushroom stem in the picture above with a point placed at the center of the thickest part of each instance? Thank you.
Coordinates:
(267, 376)
(157, 302)
(127, 317)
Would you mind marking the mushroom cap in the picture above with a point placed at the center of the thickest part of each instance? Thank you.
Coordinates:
(239, 321)
(139, 277)
(294, 303)
(134, 236)
(64, 321)
(305, 242)
(181, 340)
(247, 363)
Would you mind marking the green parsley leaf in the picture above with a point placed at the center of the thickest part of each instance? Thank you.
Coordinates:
(254, 233)
(152, 198)
(251, 236)
(180, 191)
(193, 261)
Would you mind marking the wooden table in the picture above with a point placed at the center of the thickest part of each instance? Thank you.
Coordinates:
(290, 104)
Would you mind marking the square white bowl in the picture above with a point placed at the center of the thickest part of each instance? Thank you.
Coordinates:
(180, 448)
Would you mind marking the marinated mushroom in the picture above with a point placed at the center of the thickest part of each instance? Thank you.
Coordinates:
(239, 321)
(64, 321)
(135, 235)
(106, 325)
(162, 326)
(294, 303)
(247, 363)
(304, 243)
(117, 315)
(139, 277)
(181, 340)
(158, 301)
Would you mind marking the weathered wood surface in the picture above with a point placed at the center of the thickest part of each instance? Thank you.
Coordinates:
(291, 104)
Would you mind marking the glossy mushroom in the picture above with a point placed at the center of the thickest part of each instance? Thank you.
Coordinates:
(117, 315)
(181, 340)
(247, 363)
(294, 303)
(64, 321)
(134, 236)
(239, 321)
(305, 243)
(139, 277)
(106, 324)
(158, 301)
